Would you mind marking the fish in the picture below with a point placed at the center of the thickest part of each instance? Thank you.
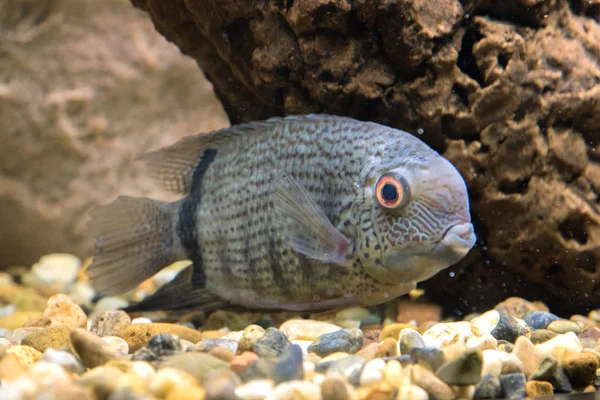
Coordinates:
(299, 213)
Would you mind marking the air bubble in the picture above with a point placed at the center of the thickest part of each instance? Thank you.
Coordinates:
(420, 131)
(452, 274)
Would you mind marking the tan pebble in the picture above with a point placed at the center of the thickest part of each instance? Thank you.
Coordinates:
(117, 343)
(370, 336)
(594, 315)
(141, 320)
(528, 354)
(594, 352)
(199, 365)
(484, 342)
(454, 350)
(426, 325)
(335, 388)
(133, 383)
(53, 337)
(221, 384)
(141, 369)
(110, 323)
(539, 389)
(23, 298)
(16, 336)
(485, 323)
(166, 379)
(18, 319)
(11, 368)
(393, 373)
(516, 306)
(589, 389)
(446, 334)
(433, 385)
(222, 353)
(393, 331)
(561, 326)
(387, 348)
(47, 373)
(41, 322)
(296, 390)
(235, 335)
(62, 311)
(188, 392)
(4, 345)
(137, 335)
(213, 334)
(257, 389)
(335, 356)
(249, 336)
(306, 329)
(25, 354)
(66, 391)
(103, 380)
(240, 362)
(92, 350)
(511, 364)
(584, 322)
(372, 372)
(381, 391)
(419, 312)
(369, 351)
(561, 346)
(464, 392)
(580, 369)
(411, 392)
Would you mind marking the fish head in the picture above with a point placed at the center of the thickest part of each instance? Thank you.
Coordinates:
(415, 220)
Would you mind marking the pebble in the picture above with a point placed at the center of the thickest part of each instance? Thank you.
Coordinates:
(505, 346)
(222, 353)
(545, 369)
(4, 345)
(306, 329)
(240, 362)
(335, 388)
(62, 311)
(185, 392)
(166, 379)
(249, 337)
(387, 348)
(485, 323)
(66, 360)
(110, 323)
(301, 390)
(137, 335)
(492, 362)
(463, 370)
(528, 354)
(56, 271)
(538, 389)
(393, 331)
(118, 344)
(509, 328)
(411, 392)
(52, 337)
(47, 374)
(516, 306)
(511, 365)
(592, 333)
(255, 390)
(542, 335)
(488, 388)
(141, 320)
(513, 386)
(580, 369)
(561, 346)
(158, 348)
(92, 350)
(484, 342)
(196, 364)
(561, 326)
(221, 384)
(207, 345)
(289, 366)
(428, 357)
(372, 372)
(538, 319)
(445, 334)
(271, 344)
(25, 355)
(560, 381)
(371, 351)
(342, 340)
(394, 375)
(11, 368)
(427, 380)
(410, 338)
(16, 336)
(18, 319)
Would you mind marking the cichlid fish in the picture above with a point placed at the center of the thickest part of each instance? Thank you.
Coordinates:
(299, 213)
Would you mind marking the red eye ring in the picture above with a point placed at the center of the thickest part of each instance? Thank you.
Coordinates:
(389, 191)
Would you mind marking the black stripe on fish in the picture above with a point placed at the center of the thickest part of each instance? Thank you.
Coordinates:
(187, 218)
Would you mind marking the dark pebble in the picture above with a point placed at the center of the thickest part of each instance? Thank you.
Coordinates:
(505, 346)
(404, 360)
(260, 369)
(208, 344)
(508, 328)
(545, 371)
(428, 357)
(538, 319)
(289, 366)
(542, 335)
(158, 348)
(560, 381)
(271, 344)
(488, 388)
(463, 370)
(338, 341)
(513, 386)
(410, 338)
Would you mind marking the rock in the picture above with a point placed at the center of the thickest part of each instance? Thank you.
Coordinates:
(561, 346)
(492, 362)
(83, 294)
(221, 384)
(393, 331)
(372, 372)
(488, 388)
(538, 389)
(341, 366)
(444, 334)
(249, 337)
(538, 319)
(542, 335)
(62, 311)
(186, 392)
(485, 323)
(53, 337)
(296, 390)
(561, 326)
(338, 341)
(505, 346)
(591, 333)
(509, 328)
(118, 344)
(516, 306)
(263, 368)
(158, 348)
(560, 381)
(25, 355)
(110, 323)
(580, 369)
(335, 388)
(511, 365)
(271, 344)
(103, 380)
(16, 336)
(412, 392)
(143, 320)
(410, 338)
(66, 360)
(545, 369)
(372, 336)
(207, 345)
(289, 366)
(484, 342)
(48, 374)
(168, 379)
(394, 375)
(513, 386)
(137, 335)
(92, 350)
(254, 390)
(227, 319)
(222, 353)
(241, 362)
(4, 345)
(428, 357)
(55, 272)
(528, 354)
(11, 368)
(387, 348)
(197, 365)
(306, 329)
(18, 319)
(463, 370)
(370, 351)
(427, 380)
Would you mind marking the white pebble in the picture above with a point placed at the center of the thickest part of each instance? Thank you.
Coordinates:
(118, 343)
(492, 362)
(295, 390)
(561, 346)
(372, 372)
(444, 334)
(485, 342)
(144, 370)
(306, 329)
(141, 320)
(485, 323)
(46, 373)
(235, 335)
(254, 390)
(412, 392)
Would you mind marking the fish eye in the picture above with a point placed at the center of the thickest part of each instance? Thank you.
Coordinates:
(392, 190)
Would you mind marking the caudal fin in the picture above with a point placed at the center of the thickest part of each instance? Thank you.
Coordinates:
(134, 240)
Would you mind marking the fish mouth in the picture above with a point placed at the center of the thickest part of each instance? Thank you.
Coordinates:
(458, 239)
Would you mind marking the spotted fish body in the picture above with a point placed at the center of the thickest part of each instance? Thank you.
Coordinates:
(284, 214)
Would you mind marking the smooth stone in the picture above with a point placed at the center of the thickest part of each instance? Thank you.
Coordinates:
(289, 366)
(92, 350)
(340, 366)
(197, 365)
(158, 348)
(411, 392)
(454, 350)
(263, 368)
(427, 380)
(488, 388)
(492, 362)
(110, 323)
(484, 342)
(538, 319)
(394, 375)
(255, 390)
(580, 369)
(545, 369)
(241, 362)
(52, 337)
(335, 388)
(429, 357)
(372, 372)
(4, 345)
(137, 335)
(517, 306)
(306, 329)
(48, 374)
(463, 370)
(141, 320)
(61, 310)
(410, 338)
(185, 392)
(370, 351)
(594, 352)
(563, 326)
(509, 329)
(561, 346)
(538, 389)
(17, 319)
(591, 333)
(301, 390)
(444, 334)
(221, 384)
(166, 379)
(249, 337)
(505, 346)
(528, 354)
(387, 348)
(560, 381)
(393, 331)
(349, 342)
(11, 369)
(511, 365)
(207, 345)
(485, 323)
(118, 344)
(513, 386)
(587, 343)
(16, 336)
(271, 344)
(66, 360)
(103, 380)
(542, 335)
(222, 353)
(25, 355)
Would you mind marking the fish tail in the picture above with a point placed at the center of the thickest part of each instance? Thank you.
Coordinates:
(135, 238)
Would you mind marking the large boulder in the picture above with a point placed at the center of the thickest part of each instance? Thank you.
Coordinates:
(507, 90)
(85, 86)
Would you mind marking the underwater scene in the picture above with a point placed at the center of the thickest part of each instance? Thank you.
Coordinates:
(299, 199)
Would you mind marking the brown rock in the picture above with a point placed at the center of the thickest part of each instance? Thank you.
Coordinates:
(387, 348)
(62, 311)
(538, 389)
(222, 353)
(516, 307)
(371, 336)
(92, 350)
(580, 369)
(393, 331)
(110, 323)
(137, 335)
(18, 319)
(241, 362)
(52, 337)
